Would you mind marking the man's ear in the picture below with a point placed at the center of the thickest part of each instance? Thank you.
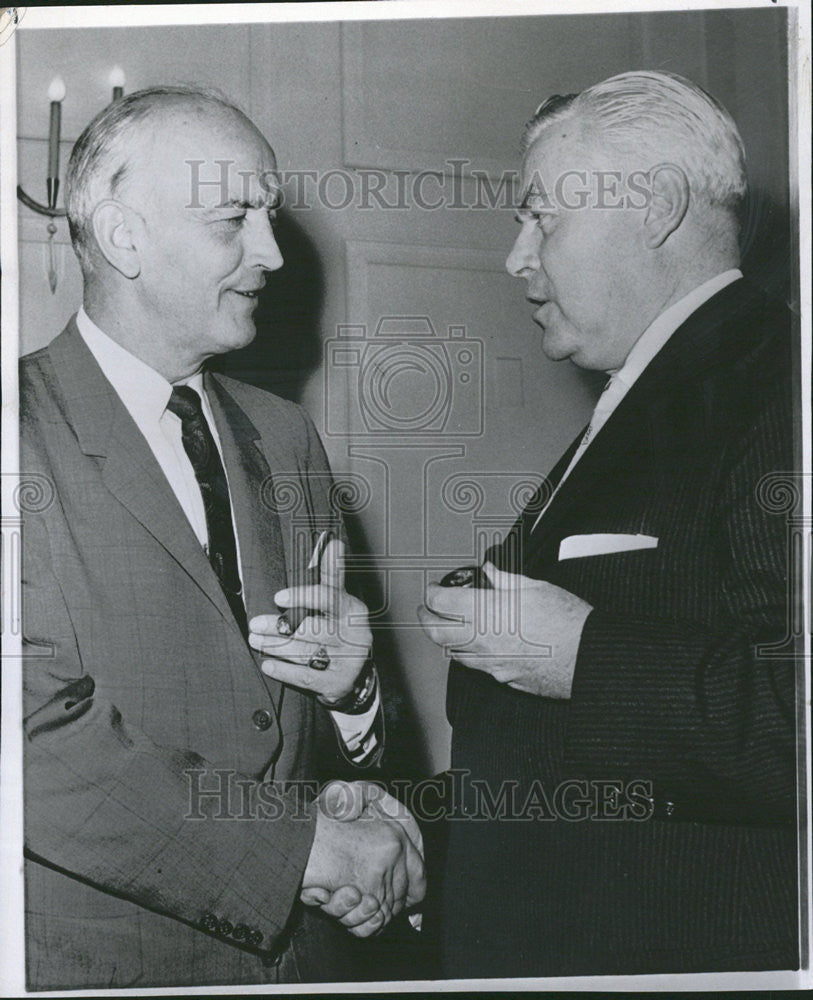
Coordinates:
(113, 230)
(668, 203)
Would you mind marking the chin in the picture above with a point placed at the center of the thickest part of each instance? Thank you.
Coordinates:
(240, 338)
(554, 348)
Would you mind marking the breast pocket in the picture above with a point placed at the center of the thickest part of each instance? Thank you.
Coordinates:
(606, 543)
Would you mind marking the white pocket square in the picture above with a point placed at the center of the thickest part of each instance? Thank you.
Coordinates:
(578, 546)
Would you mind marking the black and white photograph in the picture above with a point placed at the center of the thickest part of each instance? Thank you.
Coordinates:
(406, 497)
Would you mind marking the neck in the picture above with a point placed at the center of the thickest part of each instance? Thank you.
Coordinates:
(143, 340)
(703, 246)
(676, 283)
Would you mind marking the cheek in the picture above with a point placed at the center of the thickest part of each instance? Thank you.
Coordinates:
(167, 267)
(573, 282)
(203, 258)
(581, 269)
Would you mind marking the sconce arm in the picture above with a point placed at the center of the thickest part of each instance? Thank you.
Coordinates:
(54, 213)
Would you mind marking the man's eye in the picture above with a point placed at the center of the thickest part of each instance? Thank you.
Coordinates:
(232, 222)
(541, 220)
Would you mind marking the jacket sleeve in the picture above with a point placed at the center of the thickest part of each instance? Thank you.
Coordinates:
(705, 712)
(107, 805)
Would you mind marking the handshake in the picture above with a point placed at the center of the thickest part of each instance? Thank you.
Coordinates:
(366, 861)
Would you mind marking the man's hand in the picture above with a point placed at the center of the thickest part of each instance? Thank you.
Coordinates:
(524, 632)
(338, 626)
(366, 862)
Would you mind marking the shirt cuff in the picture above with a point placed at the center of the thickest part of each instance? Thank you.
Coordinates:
(357, 731)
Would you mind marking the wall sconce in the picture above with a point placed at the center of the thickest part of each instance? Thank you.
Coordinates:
(56, 95)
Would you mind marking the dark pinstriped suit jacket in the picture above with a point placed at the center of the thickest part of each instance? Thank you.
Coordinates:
(137, 677)
(668, 690)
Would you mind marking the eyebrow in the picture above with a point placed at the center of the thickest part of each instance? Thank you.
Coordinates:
(527, 205)
(271, 206)
(533, 193)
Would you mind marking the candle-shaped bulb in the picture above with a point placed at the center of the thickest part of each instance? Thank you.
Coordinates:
(56, 95)
(56, 92)
(116, 78)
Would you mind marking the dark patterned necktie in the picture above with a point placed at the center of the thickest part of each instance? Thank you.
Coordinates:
(203, 454)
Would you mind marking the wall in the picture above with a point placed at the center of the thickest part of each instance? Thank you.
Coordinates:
(475, 409)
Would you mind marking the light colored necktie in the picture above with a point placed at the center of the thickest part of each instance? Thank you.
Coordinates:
(614, 390)
(607, 402)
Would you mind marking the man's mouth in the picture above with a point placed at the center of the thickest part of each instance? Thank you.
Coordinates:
(541, 304)
(248, 293)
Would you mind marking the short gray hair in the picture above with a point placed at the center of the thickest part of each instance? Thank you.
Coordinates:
(656, 117)
(102, 155)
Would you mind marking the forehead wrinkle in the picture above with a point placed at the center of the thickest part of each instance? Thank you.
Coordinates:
(255, 188)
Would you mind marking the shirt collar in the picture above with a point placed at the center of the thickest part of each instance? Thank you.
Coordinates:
(143, 390)
(194, 382)
(662, 328)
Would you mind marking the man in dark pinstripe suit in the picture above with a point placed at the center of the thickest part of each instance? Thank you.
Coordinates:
(622, 702)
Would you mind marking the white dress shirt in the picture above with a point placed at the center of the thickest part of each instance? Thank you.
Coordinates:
(643, 351)
(145, 394)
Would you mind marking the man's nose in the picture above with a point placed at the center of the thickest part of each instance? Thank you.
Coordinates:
(262, 249)
(523, 260)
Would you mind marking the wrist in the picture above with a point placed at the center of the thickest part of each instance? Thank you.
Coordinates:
(359, 699)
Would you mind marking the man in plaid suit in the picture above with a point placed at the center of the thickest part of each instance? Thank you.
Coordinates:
(172, 830)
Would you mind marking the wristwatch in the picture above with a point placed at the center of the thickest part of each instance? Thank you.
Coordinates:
(361, 696)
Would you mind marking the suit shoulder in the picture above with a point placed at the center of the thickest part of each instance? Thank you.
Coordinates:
(749, 343)
(769, 358)
(255, 396)
(31, 365)
(37, 383)
(262, 405)
(755, 407)
(762, 321)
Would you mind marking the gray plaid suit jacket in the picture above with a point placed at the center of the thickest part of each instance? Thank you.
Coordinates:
(141, 693)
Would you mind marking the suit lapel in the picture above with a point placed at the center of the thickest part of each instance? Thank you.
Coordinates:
(620, 444)
(262, 551)
(700, 343)
(266, 545)
(129, 469)
(512, 553)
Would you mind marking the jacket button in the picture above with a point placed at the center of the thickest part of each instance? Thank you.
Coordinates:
(240, 932)
(255, 938)
(225, 927)
(262, 719)
(209, 922)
